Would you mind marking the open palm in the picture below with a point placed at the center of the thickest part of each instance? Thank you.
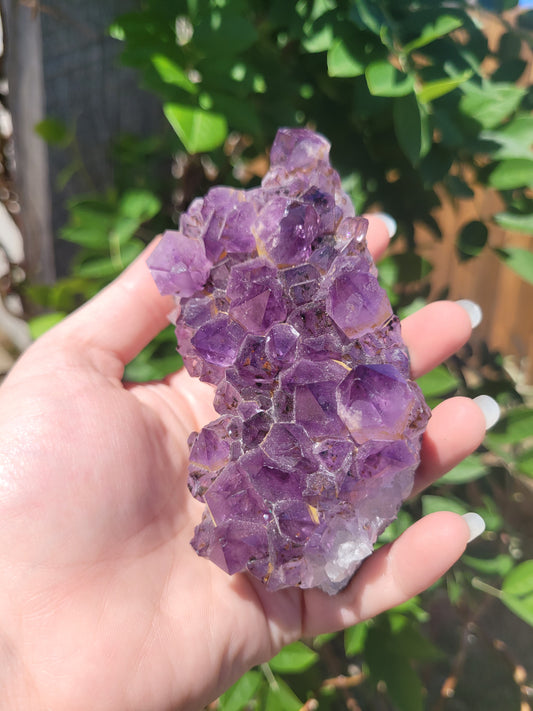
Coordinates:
(104, 604)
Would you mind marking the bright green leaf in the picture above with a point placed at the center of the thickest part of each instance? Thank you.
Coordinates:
(123, 230)
(239, 695)
(116, 31)
(411, 127)
(519, 260)
(432, 90)
(319, 30)
(471, 239)
(490, 104)
(172, 73)
(343, 62)
(499, 565)
(515, 223)
(515, 138)
(513, 428)
(104, 267)
(384, 79)
(517, 591)
(140, 205)
(443, 25)
(40, 324)
(281, 697)
(438, 382)
(431, 504)
(512, 173)
(469, 469)
(354, 639)
(198, 130)
(294, 658)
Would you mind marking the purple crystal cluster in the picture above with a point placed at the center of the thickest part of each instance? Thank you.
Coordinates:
(319, 430)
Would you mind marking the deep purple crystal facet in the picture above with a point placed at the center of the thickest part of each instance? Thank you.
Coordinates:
(280, 308)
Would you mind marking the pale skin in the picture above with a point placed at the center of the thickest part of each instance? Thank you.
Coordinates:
(104, 606)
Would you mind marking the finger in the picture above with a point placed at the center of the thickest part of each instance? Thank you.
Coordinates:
(455, 430)
(380, 230)
(435, 333)
(392, 575)
(124, 317)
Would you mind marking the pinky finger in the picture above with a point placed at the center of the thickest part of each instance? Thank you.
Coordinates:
(393, 574)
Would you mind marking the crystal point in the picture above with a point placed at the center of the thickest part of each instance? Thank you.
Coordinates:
(320, 427)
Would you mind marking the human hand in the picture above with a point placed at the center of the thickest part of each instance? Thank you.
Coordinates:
(104, 604)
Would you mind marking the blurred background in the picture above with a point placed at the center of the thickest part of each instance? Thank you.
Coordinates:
(115, 115)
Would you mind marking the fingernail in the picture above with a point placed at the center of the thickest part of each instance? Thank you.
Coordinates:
(475, 524)
(490, 409)
(389, 221)
(475, 314)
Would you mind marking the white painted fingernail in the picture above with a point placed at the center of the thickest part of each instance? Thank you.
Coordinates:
(490, 409)
(389, 221)
(475, 523)
(475, 314)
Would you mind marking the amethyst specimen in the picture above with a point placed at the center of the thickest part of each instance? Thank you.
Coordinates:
(319, 430)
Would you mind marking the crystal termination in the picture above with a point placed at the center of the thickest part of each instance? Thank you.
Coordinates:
(319, 431)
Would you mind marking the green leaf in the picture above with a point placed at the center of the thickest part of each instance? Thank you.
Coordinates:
(280, 697)
(438, 382)
(411, 127)
(40, 324)
(366, 16)
(91, 220)
(319, 30)
(515, 223)
(515, 427)
(198, 130)
(443, 25)
(321, 639)
(400, 524)
(524, 462)
(54, 132)
(431, 504)
(223, 33)
(239, 695)
(354, 639)
(105, 267)
(472, 238)
(388, 662)
(384, 79)
(520, 580)
(294, 658)
(499, 565)
(469, 469)
(432, 90)
(172, 73)
(515, 138)
(517, 591)
(512, 173)
(519, 260)
(140, 205)
(343, 61)
(490, 104)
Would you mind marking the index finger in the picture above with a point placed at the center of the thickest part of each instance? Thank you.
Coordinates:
(124, 317)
